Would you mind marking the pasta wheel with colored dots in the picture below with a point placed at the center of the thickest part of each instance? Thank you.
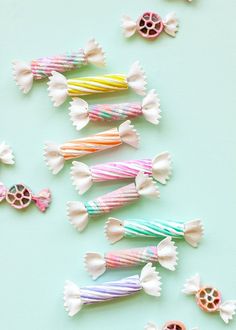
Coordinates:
(208, 299)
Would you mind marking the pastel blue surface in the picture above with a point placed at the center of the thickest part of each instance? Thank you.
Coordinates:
(194, 75)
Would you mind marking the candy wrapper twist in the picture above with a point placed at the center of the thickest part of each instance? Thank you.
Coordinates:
(6, 154)
(83, 176)
(55, 155)
(60, 87)
(209, 299)
(171, 325)
(81, 113)
(24, 74)
(75, 297)
(191, 231)
(150, 25)
(164, 253)
(20, 197)
(79, 213)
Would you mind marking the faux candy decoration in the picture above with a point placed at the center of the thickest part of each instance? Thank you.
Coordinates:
(209, 299)
(6, 154)
(25, 74)
(55, 155)
(20, 197)
(84, 176)
(191, 231)
(164, 253)
(150, 25)
(75, 297)
(81, 113)
(60, 87)
(79, 213)
(171, 325)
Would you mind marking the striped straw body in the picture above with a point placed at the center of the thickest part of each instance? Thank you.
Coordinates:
(143, 228)
(92, 85)
(95, 143)
(131, 257)
(42, 67)
(110, 290)
(106, 112)
(112, 200)
(120, 170)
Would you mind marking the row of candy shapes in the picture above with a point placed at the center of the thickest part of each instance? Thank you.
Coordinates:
(208, 298)
(149, 25)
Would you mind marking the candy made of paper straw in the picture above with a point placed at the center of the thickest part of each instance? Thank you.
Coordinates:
(75, 297)
(83, 176)
(55, 155)
(81, 113)
(191, 231)
(79, 213)
(168, 326)
(24, 74)
(169, 25)
(6, 154)
(60, 87)
(226, 309)
(164, 253)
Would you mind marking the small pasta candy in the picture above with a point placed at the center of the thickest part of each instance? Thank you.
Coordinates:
(76, 297)
(25, 74)
(60, 87)
(56, 155)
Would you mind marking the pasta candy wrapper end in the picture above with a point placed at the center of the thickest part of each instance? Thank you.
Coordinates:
(78, 214)
(55, 160)
(193, 232)
(24, 77)
(6, 154)
(58, 86)
(42, 200)
(161, 167)
(166, 254)
(226, 309)
(80, 112)
(115, 230)
(149, 280)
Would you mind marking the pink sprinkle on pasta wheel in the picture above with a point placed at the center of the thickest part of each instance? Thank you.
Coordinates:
(149, 25)
(208, 299)
(174, 325)
(18, 196)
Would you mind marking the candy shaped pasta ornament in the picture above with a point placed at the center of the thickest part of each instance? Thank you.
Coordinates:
(81, 113)
(209, 299)
(191, 231)
(84, 176)
(24, 74)
(79, 213)
(171, 325)
(60, 87)
(76, 297)
(55, 155)
(164, 253)
(6, 154)
(20, 197)
(150, 25)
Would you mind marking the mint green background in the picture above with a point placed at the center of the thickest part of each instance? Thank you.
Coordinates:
(195, 78)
